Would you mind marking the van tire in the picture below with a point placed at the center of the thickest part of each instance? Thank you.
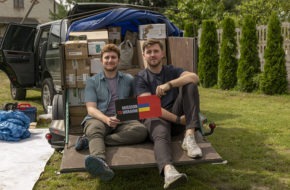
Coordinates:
(17, 93)
(47, 93)
(57, 107)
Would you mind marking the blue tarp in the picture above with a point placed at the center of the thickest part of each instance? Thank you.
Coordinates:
(126, 18)
(14, 125)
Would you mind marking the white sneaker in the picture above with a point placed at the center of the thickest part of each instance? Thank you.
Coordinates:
(189, 145)
(173, 178)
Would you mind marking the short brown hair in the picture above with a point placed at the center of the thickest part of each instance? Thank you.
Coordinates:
(151, 42)
(110, 48)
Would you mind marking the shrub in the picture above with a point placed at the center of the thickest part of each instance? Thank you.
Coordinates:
(249, 63)
(208, 54)
(228, 64)
(189, 29)
(274, 78)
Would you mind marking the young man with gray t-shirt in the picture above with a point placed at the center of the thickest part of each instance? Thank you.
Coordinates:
(101, 127)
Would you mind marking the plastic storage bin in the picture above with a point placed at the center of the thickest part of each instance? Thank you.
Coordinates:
(28, 110)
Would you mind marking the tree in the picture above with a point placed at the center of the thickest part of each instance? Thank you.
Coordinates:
(151, 3)
(261, 9)
(228, 64)
(194, 11)
(62, 12)
(274, 78)
(249, 63)
(208, 56)
(189, 30)
(158, 4)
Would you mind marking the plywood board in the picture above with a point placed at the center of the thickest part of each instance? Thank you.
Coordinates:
(135, 156)
(182, 52)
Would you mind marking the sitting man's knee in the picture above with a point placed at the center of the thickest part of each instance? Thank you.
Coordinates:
(141, 131)
(190, 87)
(94, 128)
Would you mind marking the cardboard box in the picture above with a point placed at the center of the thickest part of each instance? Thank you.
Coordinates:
(82, 76)
(95, 47)
(77, 72)
(75, 125)
(157, 31)
(115, 35)
(83, 73)
(95, 35)
(76, 49)
(76, 96)
(75, 64)
(141, 60)
(70, 78)
(80, 111)
(96, 65)
(77, 115)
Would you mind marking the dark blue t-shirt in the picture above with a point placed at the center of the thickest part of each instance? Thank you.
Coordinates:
(146, 81)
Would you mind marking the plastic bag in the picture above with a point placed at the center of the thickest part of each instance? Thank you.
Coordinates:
(127, 52)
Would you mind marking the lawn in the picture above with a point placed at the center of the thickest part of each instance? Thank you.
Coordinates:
(252, 134)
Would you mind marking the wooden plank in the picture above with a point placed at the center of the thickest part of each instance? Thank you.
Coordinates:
(182, 53)
(136, 156)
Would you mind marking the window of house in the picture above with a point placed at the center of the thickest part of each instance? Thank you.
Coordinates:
(18, 4)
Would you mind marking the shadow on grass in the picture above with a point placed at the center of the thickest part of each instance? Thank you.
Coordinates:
(35, 99)
(252, 164)
(219, 116)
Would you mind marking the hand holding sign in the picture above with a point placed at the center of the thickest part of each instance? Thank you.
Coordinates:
(138, 108)
(112, 121)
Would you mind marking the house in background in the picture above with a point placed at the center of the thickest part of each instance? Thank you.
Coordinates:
(16, 10)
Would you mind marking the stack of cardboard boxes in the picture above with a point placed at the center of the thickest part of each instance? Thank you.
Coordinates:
(82, 53)
(83, 57)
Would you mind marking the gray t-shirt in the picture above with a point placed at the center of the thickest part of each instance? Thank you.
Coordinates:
(114, 96)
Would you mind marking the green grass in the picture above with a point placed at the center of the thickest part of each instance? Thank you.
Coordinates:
(252, 134)
(33, 97)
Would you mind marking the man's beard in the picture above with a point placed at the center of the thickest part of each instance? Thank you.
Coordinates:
(110, 69)
(155, 65)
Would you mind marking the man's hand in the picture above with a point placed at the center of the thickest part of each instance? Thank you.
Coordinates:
(112, 121)
(161, 89)
(182, 120)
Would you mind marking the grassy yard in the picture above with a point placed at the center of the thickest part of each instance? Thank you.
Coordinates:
(252, 134)
(33, 96)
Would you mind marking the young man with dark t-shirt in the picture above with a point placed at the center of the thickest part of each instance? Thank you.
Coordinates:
(179, 96)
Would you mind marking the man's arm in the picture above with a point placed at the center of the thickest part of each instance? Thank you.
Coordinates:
(166, 114)
(185, 78)
(97, 114)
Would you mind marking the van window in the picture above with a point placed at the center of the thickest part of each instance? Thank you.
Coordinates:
(54, 38)
(43, 42)
(19, 39)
